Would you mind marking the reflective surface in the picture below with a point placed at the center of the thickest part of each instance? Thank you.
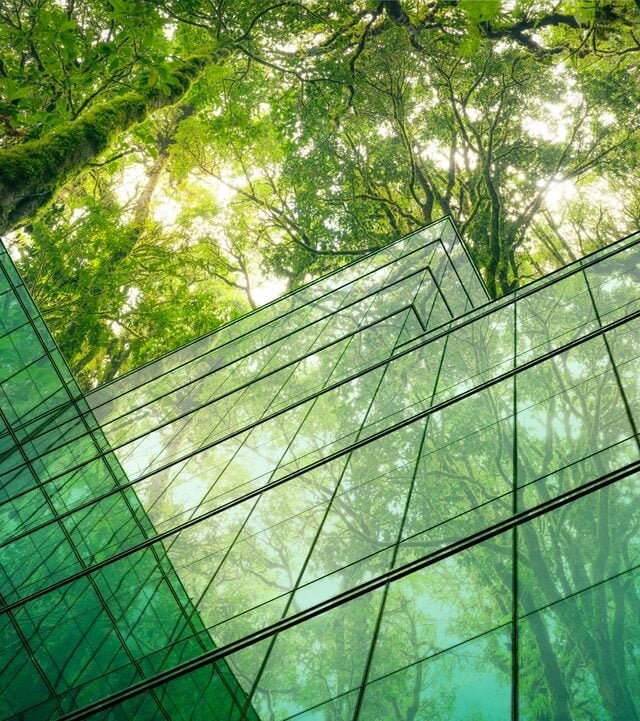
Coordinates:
(379, 497)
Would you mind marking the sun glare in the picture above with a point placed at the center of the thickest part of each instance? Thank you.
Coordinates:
(560, 193)
(268, 289)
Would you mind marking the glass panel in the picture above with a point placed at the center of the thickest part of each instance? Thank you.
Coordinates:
(553, 316)
(464, 479)
(289, 457)
(624, 343)
(476, 353)
(470, 682)
(361, 527)
(307, 665)
(579, 657)
(569, 407)
(23, 687)
(444, 605)
(615, 284)
(579, 545)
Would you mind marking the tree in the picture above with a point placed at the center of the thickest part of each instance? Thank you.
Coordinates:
(325, 132)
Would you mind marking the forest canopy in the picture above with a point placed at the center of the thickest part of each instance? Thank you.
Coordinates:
(165, 165)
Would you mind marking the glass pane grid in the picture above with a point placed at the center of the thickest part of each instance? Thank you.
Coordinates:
(382, 496)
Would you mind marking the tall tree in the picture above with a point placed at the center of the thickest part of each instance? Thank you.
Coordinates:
(321, 132)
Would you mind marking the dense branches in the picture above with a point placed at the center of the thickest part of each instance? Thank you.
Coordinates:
(316, 133)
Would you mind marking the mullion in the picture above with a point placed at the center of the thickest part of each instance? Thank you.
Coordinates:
(419, 319)
(442, 296)
(356, 444)
(458, 237)
(292, 592)
(614, 365)
(394, 555)
(328, 508)
(362, 589)
(235, 360)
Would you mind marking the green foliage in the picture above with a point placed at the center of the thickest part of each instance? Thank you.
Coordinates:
(480, 10)
(115, 297)
(319, 133)
(64, 58)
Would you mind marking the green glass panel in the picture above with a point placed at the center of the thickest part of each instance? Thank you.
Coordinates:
(304, 450)
(444, 605)
(614, 283)
(555, 315)
(579, 657)
(580, 545)
(307, 665)
(624, 343)
(468, 683)
(568, 407)
(464, 479)
(23, 687)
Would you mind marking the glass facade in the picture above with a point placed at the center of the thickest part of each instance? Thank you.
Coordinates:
(382, 496)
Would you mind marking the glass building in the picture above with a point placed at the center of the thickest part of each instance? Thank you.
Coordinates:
(383, 496)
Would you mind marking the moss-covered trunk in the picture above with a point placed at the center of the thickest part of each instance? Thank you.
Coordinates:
(31, 172)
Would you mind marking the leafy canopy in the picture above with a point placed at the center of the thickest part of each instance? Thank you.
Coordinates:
(272, 141)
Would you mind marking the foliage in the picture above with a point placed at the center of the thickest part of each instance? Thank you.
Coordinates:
(123, 294)
(319, 132)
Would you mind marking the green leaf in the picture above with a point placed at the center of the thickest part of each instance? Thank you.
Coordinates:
(585, 11)
(10, 90)
(481, 10)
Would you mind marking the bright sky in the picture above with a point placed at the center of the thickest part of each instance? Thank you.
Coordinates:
(549, 121)
(167, 207)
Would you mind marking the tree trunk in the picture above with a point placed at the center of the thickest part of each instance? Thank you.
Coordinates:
(165, 137)
(30, 173)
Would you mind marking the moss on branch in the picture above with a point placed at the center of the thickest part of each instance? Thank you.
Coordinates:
(30, 173)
